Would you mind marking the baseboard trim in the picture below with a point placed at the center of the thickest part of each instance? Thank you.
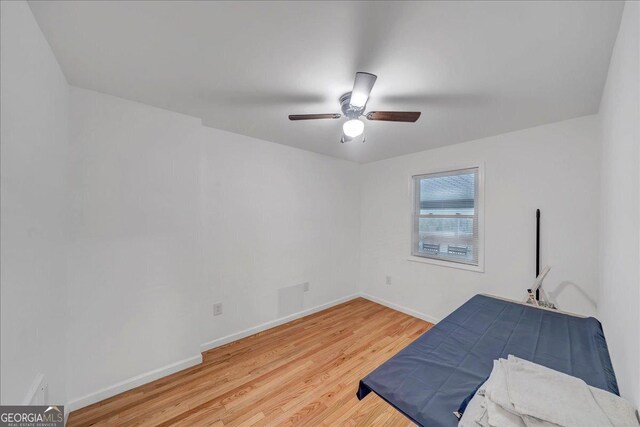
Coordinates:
(271, 324)
(130, 383)
(155, 374)
(401, 308)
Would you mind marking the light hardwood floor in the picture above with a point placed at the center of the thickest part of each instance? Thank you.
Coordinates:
(303, 373)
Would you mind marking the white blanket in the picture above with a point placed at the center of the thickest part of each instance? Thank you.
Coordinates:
(520, 393)
(475, 414)
(552, 396)
(500, 410)
(618, 410)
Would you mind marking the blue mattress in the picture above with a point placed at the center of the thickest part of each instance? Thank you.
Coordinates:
(429, 378)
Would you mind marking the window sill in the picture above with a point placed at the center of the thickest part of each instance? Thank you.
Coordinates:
(460, 266)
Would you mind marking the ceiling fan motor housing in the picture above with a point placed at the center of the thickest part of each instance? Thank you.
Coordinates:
(349, 111)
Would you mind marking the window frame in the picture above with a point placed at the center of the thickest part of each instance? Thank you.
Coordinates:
(479, 214)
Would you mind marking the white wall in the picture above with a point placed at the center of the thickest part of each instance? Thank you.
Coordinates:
(134, 251)
(169, 217)
(34, 198)
(620, 278)
(273, 218)
(552, 167)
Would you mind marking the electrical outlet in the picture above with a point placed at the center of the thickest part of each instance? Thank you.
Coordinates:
(217, 309)
(388, 281)
(305, 286)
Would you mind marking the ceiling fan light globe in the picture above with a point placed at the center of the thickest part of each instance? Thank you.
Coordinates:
(353, 128)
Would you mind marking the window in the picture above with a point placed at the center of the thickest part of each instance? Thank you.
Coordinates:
(446, 217)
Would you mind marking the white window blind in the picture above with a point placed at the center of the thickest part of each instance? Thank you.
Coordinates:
(445, 223)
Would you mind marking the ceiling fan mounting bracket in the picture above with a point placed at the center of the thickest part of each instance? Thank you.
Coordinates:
(349, 111)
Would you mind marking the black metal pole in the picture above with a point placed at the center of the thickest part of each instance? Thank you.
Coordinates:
(537, 250)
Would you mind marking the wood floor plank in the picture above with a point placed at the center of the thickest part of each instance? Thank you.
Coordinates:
(302, 373)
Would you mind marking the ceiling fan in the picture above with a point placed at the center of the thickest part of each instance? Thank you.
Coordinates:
(353, 105)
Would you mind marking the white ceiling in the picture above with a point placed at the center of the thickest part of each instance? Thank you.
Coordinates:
(474, 69)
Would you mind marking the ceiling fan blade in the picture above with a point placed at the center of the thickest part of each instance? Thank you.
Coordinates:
(313, 116)
(361, 89)
(394, 116)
